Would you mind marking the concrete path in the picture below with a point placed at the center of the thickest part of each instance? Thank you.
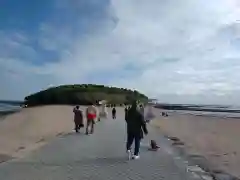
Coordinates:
(100, 156)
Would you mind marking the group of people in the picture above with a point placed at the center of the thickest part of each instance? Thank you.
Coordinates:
(135, 121)
(91, 116)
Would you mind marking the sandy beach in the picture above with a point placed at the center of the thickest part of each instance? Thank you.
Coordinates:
(217, 139)
(29, 129)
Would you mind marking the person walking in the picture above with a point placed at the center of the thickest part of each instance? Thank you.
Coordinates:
(141, 109)
(126, 110)
(135, 126)
(91, 114)
(78, 118)
(149, 114)
(97, 114)
(114, 112)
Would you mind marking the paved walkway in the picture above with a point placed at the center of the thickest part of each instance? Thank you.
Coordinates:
(99, 156)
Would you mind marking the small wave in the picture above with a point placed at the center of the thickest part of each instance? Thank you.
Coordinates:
(210, 114)
(8, 107)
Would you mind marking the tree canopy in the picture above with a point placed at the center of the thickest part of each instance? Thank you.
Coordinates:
(84, 94)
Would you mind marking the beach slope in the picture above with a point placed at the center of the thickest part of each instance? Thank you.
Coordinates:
(215, 138)
(27, 130)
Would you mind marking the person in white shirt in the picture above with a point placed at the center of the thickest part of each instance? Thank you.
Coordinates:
(91, 114)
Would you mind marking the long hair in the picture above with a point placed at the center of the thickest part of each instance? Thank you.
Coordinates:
(133, 106)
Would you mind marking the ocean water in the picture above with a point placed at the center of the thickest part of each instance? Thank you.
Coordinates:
(13, 106)
(207, 114)
(9, 106)
(208, 111)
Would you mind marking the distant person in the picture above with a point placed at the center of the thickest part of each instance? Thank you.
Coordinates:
(114, 112)
(126, 110)
(149, 115)
(165, 114)
(97, 114)
(78, 118)
(135, 126)
(141, 109)
(91, 114)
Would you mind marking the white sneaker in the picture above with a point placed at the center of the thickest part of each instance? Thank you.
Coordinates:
(136, 157)
(129, 154)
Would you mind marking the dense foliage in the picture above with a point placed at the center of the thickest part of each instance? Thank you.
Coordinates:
(83, 94)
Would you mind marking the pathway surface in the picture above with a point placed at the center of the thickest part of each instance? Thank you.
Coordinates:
(99, 156)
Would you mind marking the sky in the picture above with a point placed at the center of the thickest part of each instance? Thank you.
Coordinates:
(177, 51)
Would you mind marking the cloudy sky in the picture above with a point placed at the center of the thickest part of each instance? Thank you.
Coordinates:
(178, 51)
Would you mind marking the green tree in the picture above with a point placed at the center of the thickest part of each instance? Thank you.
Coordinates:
(83, 94)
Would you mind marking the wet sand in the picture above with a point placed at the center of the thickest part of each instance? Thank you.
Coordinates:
(217, 139)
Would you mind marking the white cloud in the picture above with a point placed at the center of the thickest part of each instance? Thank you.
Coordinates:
(182, 51)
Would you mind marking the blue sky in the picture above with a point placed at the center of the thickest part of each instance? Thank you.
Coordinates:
(178, 51)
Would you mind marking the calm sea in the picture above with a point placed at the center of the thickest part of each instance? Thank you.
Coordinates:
(9, 106)
(208, 114)
(13, 106)
(208, 110)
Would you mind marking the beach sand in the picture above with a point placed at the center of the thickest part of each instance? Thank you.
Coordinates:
(29, 129)
(217, 139)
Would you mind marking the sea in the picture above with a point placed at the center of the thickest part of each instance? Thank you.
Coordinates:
(207, 110)
(207, 114)
(8, 106)
(230, 111)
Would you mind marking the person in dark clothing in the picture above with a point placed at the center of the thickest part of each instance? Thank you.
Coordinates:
(135, 128)
(114, 112)
(126, 110)
(78, 118)
(141, 109)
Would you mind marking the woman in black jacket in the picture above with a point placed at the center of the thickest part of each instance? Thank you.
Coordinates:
(135, 128)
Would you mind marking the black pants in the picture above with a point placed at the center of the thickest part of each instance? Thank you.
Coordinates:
(136, 138)
(114, 115)
(78, 126)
